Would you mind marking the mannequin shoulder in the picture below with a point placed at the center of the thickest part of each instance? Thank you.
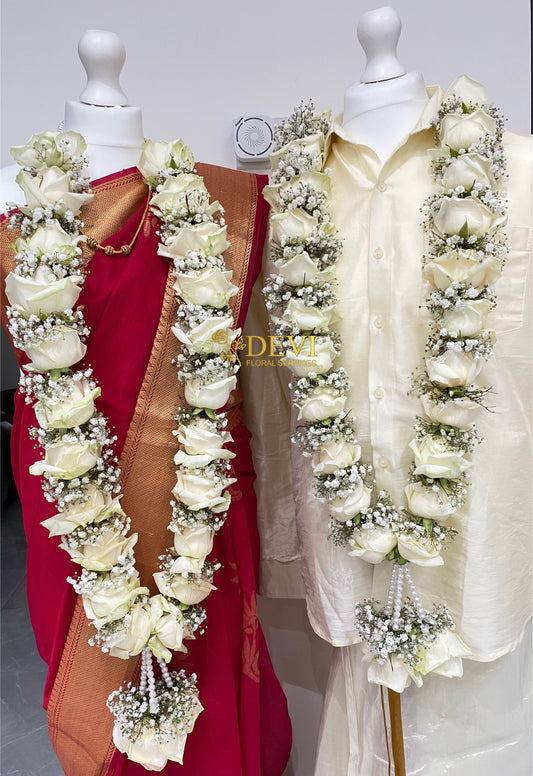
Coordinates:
(518, 148)
(9, 189)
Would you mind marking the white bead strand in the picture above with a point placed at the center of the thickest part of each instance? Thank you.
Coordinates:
(398, 599)
(416, 600)
(165, 672)
(392, 590)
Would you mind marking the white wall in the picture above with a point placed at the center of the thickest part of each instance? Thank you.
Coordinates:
(193, 67)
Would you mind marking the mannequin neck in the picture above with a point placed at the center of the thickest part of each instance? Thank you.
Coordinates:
(114, 135)
(382, 114)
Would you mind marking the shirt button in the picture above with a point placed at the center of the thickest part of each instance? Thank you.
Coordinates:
(378, 322)
(384, 462)
(378, 253)
(379, 393)
(382, 187)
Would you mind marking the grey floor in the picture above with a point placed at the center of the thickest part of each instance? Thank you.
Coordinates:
(25, 747)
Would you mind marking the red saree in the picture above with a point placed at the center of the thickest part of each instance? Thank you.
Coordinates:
(128, 302)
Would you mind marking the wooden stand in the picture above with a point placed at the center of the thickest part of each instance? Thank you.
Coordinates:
(398, 754)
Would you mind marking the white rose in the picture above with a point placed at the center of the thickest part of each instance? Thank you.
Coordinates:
(320, 404)
(71, 410)
(189, 591)
(159, 156)
(71, 144)
(198, 492)
(334, 455)
(111, 597)
(199, 438)
(393, 673)
(65, 349)
(174, 190)
(52, 187)
(468, 319)
(419, 551)
(454, 214)
(467, 169)
(318, 180)
(293, 223)
(372, 544)
(200, 338)
(456, 412)
(167, 628)
(426, 502)
(310, 143)
(443, 656)
(300, 269)
(313, 355)
(103, 554)
(49, 149)
(469, 91)
(211, 288)
(66, 460)
(210, 396)
(49, 239)
(193, 542)
(37, 294)
(463, 267)
(453, 368)
(40, 150)
(344, 509)
(151, 754)
(197, 461)
(461, 132)
(433, 458)
(210, 238)
(308, 318)
(132, 639)
(99, 506)
(146, 750)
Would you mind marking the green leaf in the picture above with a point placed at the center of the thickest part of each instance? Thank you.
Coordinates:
(428, 525)
(401, 561)
(463, 232)
(210, 413)
(55, 374)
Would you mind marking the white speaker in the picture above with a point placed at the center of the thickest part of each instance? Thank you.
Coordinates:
(253, 137)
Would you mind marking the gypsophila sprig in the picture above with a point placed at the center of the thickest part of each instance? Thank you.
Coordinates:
(404, 639)
(302, 122)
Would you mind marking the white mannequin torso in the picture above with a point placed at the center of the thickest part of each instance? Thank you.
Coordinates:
(386, 104)
(111, 128)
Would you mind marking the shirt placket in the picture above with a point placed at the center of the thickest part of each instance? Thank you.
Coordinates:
(381, 357)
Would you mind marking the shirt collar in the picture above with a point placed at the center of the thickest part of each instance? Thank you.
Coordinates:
(427, 117)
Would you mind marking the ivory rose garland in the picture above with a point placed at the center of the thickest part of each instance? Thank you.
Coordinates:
(79, 470)
(402, 640)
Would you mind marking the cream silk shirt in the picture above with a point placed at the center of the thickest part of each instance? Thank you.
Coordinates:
(381, 294)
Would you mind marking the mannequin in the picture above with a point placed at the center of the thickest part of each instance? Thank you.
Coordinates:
(111, 127)
(126, 290)
(385, 105)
